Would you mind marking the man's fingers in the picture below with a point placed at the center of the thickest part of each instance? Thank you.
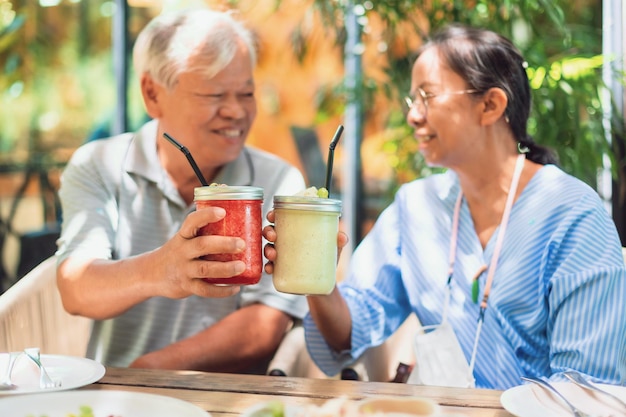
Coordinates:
(213, 244)
(216, 269)
(204, 289)
(198, 219)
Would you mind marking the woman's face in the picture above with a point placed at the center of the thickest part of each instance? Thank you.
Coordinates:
(448, 130)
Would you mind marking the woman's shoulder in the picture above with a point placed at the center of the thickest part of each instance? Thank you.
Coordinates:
(553, 181)
(441, 186)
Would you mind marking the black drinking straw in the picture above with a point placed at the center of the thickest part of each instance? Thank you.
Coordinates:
(189, 158)
(331, 155)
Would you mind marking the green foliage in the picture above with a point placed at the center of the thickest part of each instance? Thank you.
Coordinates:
(69, 46)
(39, 89)
(10, 26)
(57, 82)
(563, 50)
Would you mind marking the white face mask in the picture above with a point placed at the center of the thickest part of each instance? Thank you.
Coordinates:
(439, 359)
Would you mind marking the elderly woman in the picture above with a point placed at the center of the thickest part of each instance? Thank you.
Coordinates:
(516, 265)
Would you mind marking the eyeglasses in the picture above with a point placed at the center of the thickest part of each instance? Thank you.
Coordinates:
(420, 103)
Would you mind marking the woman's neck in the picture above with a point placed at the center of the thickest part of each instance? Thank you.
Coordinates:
(486, 188)
(487, 182)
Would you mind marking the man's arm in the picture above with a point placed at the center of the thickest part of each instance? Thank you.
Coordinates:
(235, 343)
(102, 289)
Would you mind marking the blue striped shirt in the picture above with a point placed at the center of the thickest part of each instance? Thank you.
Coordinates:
(557, 300)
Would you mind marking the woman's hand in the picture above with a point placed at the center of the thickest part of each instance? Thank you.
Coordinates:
(270, 251)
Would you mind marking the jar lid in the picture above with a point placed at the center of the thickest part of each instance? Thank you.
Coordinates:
(227, 192)
(307, 203)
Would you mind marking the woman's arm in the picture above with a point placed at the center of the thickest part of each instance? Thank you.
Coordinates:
(330, 312)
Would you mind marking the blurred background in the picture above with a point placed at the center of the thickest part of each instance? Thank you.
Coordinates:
(66, 79)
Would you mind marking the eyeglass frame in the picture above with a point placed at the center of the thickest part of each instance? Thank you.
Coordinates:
(411, 102)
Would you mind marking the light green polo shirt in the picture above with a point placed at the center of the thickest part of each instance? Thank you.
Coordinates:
(118, 201)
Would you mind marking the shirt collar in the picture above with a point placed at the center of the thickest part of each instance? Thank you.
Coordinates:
(238, 172)
(451, 188)
(142, 159)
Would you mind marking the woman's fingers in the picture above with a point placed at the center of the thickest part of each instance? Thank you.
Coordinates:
(269, 233)
(342, 240)
(270, 253)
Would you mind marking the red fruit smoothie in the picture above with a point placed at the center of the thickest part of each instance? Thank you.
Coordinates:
(243, 219)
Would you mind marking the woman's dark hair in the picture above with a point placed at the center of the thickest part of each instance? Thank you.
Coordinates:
(485, 59)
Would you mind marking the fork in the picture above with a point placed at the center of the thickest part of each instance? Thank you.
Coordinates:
(44, 379)
(6, 383)
(580, 380)
(546, 385)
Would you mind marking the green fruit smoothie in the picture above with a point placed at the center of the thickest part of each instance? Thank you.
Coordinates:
(306, 244)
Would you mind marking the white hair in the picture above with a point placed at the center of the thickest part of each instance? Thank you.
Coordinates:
(164, 48)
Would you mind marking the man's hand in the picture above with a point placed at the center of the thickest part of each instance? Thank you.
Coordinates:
(180, 258)
(101, 289)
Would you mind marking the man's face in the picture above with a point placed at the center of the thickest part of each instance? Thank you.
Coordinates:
(211, 116)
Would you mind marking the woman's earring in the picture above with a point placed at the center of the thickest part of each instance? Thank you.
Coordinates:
(522, 148)
(506, 119)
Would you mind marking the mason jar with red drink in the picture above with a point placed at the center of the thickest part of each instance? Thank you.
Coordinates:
(243, 220)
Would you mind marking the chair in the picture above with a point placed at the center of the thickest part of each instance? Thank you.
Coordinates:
(376, 364)
(32, 315)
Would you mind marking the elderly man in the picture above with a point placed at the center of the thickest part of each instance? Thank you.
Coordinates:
(129, 253)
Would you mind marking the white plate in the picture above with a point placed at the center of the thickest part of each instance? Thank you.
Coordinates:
(72, 371)
(103, 403)
(530, 400)
(375, 407)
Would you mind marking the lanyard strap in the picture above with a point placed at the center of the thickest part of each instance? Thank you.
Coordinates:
(500, 238)
(519, 166)
(452, 255)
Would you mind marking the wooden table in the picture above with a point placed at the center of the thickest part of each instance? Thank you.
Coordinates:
(227, 395)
